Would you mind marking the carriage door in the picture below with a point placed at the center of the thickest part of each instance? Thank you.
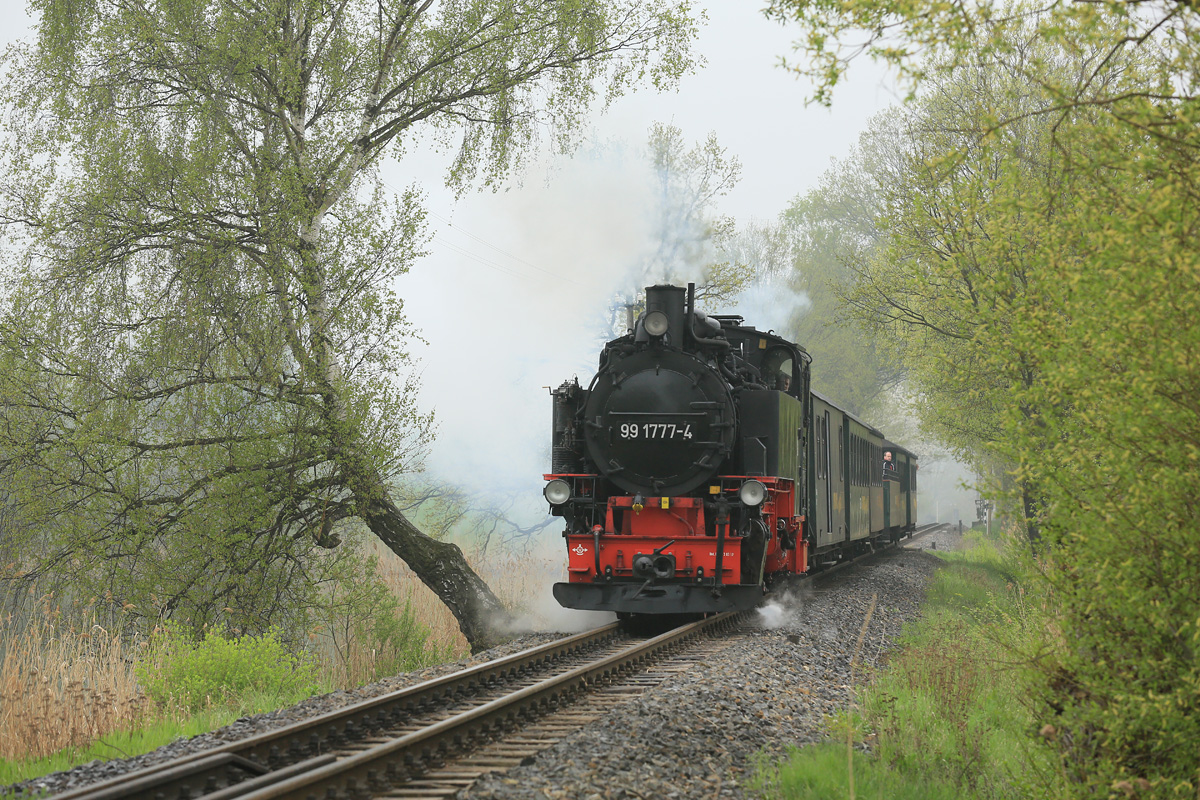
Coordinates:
(828, 477)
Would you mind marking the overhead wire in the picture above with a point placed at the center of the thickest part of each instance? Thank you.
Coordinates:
(486, 243)
(487, 262)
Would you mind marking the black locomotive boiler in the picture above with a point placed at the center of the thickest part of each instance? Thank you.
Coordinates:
(698, 467)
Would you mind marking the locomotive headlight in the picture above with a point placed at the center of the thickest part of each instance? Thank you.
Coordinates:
(656, 323)
(752, 493)
(557, 492)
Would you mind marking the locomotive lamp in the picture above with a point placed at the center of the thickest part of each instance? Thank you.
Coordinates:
(752, 493)
(557, 492)
(656, 323)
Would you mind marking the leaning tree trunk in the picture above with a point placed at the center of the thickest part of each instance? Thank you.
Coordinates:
(1030, 507)
(442, 567)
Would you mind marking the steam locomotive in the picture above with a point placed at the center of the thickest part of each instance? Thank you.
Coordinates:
(698, 468)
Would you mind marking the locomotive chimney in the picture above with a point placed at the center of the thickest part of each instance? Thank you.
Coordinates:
(671, 301)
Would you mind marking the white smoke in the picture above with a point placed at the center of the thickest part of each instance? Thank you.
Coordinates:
(536, 609)
(771, 306)
(781, 612)
(553, 618)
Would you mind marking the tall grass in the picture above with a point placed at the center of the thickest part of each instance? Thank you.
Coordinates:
(63, 688)
(520, 580)
(70, 691)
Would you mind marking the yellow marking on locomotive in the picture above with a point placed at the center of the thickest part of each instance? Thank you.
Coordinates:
(714, 490)
(762, 344)
(666, 502)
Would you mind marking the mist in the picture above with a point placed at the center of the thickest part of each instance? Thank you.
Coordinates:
(944, 490)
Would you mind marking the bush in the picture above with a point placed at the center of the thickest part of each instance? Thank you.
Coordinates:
(221, 669)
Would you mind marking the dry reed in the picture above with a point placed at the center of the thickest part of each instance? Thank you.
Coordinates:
(64, 688)
(520, 581)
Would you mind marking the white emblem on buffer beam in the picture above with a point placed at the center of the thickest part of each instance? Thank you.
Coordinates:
(579, 550)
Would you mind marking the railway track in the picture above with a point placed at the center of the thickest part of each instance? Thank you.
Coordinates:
(925, 530)
(433, 739)
(918, 532)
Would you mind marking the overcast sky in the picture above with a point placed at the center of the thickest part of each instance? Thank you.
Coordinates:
(508, 298)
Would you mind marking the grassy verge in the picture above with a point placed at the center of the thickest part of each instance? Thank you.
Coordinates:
(70, 697)
(947, 717)
(75, 691)
(130, 742)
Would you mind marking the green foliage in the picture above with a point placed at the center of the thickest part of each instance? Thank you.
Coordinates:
(829, 228)
(951, 707)
(1039, 281)
(367, 632)
(928, 39)
(399, 642)
(203, 364)
(225, 669)
(1117, 431)
(821, 772)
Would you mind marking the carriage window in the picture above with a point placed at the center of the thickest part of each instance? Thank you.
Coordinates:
(822, 444)
(841, 454)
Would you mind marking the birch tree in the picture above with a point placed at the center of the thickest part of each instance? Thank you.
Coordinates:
(203, 331)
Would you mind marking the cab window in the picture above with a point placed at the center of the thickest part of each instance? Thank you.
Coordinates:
(778, 370)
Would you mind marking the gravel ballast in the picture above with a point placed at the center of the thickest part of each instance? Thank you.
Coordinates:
(693, 736)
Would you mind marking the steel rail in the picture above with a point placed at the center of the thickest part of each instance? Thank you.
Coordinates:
(260, 765)
(376, 770)
(303, 741)
(925, 530)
